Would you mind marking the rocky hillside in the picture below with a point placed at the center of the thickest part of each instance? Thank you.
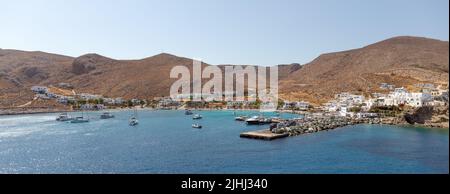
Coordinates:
(402, 61)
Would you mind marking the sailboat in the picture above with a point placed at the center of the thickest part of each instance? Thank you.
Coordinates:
(80, 119)
(133, 120)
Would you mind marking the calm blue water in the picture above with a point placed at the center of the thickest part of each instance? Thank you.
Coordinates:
(164, 142)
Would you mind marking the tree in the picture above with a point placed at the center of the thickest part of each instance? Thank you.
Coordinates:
(280, 103)
(81, 101)
(355, 109)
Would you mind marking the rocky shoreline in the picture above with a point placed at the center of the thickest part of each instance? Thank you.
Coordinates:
(6, 112)
(316, 124)
(31, 111)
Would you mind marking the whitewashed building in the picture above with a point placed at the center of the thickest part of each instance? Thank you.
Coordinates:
(39, 89)
(168, 102)
(302, 105)
(368, 104)
(418, 99)
(136, 101)
(401, 96)
(65, 99)
(92, 107)
(86, 96)
(349, 99)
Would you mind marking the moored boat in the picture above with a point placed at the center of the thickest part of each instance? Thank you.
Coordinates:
(133, 121)
(197, 116)
(106, 115)
(188, 112)
(79, 120)
(255, 120)
(258, 120)
(64, 117)
(198, 126)
(241, 118)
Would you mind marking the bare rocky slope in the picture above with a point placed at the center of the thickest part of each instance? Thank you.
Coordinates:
(402, 61)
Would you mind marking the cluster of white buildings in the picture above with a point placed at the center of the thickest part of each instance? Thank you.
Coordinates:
(301, 105)
(400, 96)
(167, 102)
(86, 96)
(39, 89)
(113, 101)
(344, 102)
(43, 92)
(66, 99)
(92, 107)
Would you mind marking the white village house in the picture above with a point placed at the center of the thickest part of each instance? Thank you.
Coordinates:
(302, 105)
(401, 96)
(39, 89)
(86, 96)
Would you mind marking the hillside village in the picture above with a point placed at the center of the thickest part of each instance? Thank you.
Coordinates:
(393, 102)
(395, 77)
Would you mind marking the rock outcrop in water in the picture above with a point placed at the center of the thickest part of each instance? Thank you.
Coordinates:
(420, 115)
(428, 116)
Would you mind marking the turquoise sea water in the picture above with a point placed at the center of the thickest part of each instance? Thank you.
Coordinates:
(164, 142)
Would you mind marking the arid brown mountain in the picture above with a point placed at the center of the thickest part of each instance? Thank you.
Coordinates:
(19, 70)
(91, 73)
(402, 61)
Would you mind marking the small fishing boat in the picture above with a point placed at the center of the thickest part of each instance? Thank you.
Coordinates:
(106, 115)
(198, 126)
(241, 118)
(133, 121)
(258, 120)
(79, 120)
(188, 112)
(197, 116)
(64, 117)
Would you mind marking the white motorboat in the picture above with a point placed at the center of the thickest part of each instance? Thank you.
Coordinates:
(79, 120)
(64, 117)
(198, 126)
(133, 121)
(106, 115)
(197, 116)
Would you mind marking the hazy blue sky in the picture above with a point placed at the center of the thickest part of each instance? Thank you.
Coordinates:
(217, 31)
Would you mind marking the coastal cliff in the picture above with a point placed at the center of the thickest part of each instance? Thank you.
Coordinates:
(436, 117)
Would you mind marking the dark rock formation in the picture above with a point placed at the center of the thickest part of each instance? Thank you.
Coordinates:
(420, 115)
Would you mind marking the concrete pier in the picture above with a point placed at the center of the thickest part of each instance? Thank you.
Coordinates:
(265, 134)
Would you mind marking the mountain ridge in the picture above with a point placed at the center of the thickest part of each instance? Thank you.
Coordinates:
(403, 61)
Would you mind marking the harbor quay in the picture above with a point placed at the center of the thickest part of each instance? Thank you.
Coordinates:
(306, 125)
